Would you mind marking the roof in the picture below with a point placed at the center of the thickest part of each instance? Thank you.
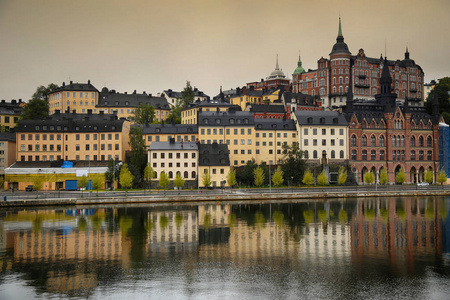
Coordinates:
(213, 155)
(169, 128)
(275, 124)
(182, 146)
(265, 108)
(85, 87)
(8, 136)
(50, 167)
(113, 99)
(210, 103)
(228, 118)
(174, 94)
(307, 117)
(73, 122)
(11, 108)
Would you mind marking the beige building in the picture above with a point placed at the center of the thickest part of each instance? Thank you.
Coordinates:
(173, 158)
(322, 135)
(189, 115)
(7, 150)
(89, 137)
(74, 96)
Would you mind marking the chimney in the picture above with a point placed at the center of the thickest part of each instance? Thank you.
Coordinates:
(74, 111)
(134, 92)
(89, 81)
(13, 101)
(20, 100)
(4, 101)
(57, 111)
(181, 143)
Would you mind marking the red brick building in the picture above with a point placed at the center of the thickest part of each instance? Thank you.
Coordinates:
(385, 133)
(331, 78)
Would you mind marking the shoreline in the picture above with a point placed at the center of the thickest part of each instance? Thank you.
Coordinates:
(158, 199)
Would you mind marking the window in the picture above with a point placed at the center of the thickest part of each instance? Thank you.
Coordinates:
(413, 141)
(314, 131)
(382, 141)
(341, 154)
(381, 154)
(315, 154)
(314, 142)
(305, 131)
(353, 140)
(421, 155)
(364, 155)
(332, 141)
(332, 131)
(421, 141)
(77, 147)
(324, 142)
(429, 155)
(372, 141)
(332, 154)
(324, 131)
(305, 142)
(373, 155)
(364, 141)
(413, 155)
(429, 142)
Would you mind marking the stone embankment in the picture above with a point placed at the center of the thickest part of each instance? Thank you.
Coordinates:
(233, 197)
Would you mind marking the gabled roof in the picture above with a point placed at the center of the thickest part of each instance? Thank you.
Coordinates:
(112, 99)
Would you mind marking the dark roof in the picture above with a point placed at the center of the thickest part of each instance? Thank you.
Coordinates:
(229, 118)
(213, 155)
(307, 117)
(8, 136)
(58, 164)
(113, 99)
(401, 63)
(174, 94)
(73, 122)
(275, 124)
(299, 98)
(11, 108)
(85, 87)
(264, 108)
(173, 146)
(211, 103)
(169, 128)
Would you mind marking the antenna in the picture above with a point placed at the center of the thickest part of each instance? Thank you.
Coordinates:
(385, 47)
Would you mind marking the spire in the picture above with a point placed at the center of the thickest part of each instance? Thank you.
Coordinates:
(277, 67)
(340, 28)
(386, 79)
(407, 53)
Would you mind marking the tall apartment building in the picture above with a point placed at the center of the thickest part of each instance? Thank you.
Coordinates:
(78, 96)
(10, 113)
(331, 78)
(72, 136)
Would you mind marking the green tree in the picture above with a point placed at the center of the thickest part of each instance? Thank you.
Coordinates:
(206, 178)
(277, 177)
(231, 177)
(97, 182)
(428, 177)
(148, 175)
(259, 176)
(38, 107)
(442, 90)
(42, 92)
(322, 179)
(308, 178)
(179, 181)
(246, 176)
(187, 95)
(138, 153)
(125, 177)
(384, 178)
(82, 183)
(442, 177)
(369, 177)
(143, 114)
(292, 163)
(164, 180)
(400, 177)
(175, 112)
(342, 176)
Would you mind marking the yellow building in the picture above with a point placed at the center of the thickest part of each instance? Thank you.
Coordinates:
(124, 104)
(215, 161)
(164, 132)
(90, 137)
(10, 113)
(7, 150)
(74, 96)
(189, 114)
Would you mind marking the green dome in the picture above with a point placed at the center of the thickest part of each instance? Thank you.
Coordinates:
(299, 69)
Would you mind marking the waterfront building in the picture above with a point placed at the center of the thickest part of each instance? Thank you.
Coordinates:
(10, 113)
(72, 136)
(276, 79)
(172, 96)
(174, 158)
(322, 135)
(7, 150)
(124, 104)
(388, 134)
(214, 159)
(164, 132)
(331, 78)
(74, 96)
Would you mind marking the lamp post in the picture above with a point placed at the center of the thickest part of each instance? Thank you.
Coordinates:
(292, 184)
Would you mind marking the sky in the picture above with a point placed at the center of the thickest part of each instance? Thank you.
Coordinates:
(149, 45)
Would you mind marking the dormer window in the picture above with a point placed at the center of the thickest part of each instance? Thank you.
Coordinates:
(218, 121)
(245, 121)
(77, 128)
(113, 127)
(105, 103)
(322, 120)
(158, 130)
(310, 120)
(117, 103)
(127, 103)
(231, 121)
(205, 121)
(37, 128)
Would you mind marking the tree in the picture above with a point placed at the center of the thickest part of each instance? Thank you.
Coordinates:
(231, 177)
(246, 176)
(125, 177)
(428, 177)
(259, 176)
(369, 177)
(442, 177)
(148, 174)
(277, 177)
(442, 89)
(38, 182)
(113, 171)
(384, 178)
(187, 95)
(38, 107)
(292, 163)
(342, 176)
(175, 112)
(42, 92)
(97, 182)
(143, 114)
(164, 180)
(400, 177)
(82, 183)
(206, 178)
(138, 153)
(179, 181)
(308, 178)
(322, 179)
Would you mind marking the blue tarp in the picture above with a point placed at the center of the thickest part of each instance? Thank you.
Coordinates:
(67, 164)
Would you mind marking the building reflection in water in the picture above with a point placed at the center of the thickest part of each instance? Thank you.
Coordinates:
(74, 252)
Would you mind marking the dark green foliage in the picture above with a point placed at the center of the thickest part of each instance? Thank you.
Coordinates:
(37, 107)
(293, 164)
(138, 154)
(175, 112)
(442, 89)
(187, 95)
(246, 175)
(143, 114)
(111, 167)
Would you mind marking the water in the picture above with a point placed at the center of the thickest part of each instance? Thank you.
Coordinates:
(384, 248)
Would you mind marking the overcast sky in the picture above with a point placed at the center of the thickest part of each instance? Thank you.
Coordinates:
(149, 45)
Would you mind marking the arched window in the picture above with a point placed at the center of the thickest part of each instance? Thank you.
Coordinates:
(354, 140)
(364, 141)
(402, 141)
(193, 175)
(332, 154)
(341, 154)
(170, 174)
(315, 154)
(372, 141)
(306, 154)
(421, 141)
(382, 141)
(429, 142)
(398, 141)
(186, 174)
(413, 141)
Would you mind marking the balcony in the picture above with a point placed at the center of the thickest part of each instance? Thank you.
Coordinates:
(362, 85)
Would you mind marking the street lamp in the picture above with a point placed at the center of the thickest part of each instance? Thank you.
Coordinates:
(292, 184)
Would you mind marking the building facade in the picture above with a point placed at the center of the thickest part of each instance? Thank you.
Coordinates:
(214, 160)
(9, 114)
(78, 96)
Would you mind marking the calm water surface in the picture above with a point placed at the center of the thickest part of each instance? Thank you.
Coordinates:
(384, 248)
